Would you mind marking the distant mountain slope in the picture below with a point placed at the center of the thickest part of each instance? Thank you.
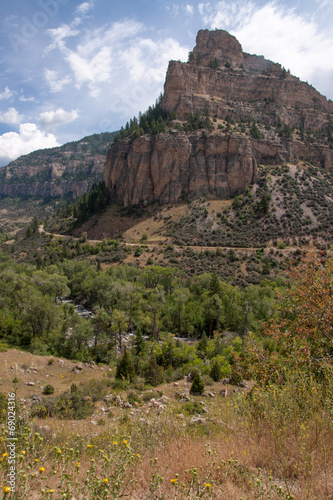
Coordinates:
(69, 170)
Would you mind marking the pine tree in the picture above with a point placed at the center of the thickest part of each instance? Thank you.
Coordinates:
(125, 367)
(154, 374)
(197, 386)
(139, 342)
(215, 371)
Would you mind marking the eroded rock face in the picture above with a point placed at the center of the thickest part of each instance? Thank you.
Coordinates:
(168, 168)
(69, 170)
(46, 189)
(249, 86)
(171, 167)
(219, 80)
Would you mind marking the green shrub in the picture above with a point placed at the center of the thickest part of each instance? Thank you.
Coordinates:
(125, 367)
(154, 374)
(133, 397)
(147, 396)
(74, 388)
(66, 406)
(192, 408)
(120, 384)
(197, 386)
(215, 371)
(48, 389)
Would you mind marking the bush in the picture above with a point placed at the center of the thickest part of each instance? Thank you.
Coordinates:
(72, 406)
(132, 397)
(147, 396)
(48, 389)
(74, 388)
(197, 386)
(125, 367)
(192, 408)
(154, 374)
(95, 389)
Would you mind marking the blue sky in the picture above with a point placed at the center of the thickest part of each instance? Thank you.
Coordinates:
(70, 68)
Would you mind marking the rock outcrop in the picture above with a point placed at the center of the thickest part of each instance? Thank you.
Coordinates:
(69, 170)
(170, 167)
(224, 83)
(241, 85)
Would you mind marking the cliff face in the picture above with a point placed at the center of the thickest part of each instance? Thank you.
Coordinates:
(175, 166)
(68, 170)
(241, 85)
(224, 83)
(171, 167)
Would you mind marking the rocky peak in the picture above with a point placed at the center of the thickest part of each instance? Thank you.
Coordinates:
(219, 45)
(275, 118)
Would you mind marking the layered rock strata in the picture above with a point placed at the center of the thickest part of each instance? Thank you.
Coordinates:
(220, 81)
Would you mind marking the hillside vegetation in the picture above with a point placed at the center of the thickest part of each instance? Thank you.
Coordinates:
(134, 426)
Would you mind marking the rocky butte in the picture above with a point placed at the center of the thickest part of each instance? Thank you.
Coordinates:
(255, 111)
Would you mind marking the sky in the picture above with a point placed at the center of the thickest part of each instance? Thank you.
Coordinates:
(70, 69)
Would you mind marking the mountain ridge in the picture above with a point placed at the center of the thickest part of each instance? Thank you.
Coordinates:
(68, 170)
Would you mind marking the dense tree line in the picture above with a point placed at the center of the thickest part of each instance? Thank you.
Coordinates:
(153, 121)
(89, 203)
(154, 302)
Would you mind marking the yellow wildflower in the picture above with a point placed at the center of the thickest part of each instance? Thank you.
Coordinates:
(41, 469)
(105, 480)
(7, 489)
(125, 442)
(208, 485)
(89, 445)
(173, 481)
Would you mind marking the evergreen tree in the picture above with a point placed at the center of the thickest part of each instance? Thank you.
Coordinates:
(139, 342)
(202, 346)
(154, 374)
(125, 367)
(197, 386)
(215, 371)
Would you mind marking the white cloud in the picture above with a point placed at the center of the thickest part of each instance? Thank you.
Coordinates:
(189, 10)
(52, 119)
(11, 117)
(26, 99)
(59, 35)
(54, 81)
(6, 94)
(29, 138)
(84, 7)
(116, 53)
(226, 15)
(95, 57)
(289, 39)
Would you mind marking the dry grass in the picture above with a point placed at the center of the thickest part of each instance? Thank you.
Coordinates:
(229, 454)
(243, 463)
(27, 367)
